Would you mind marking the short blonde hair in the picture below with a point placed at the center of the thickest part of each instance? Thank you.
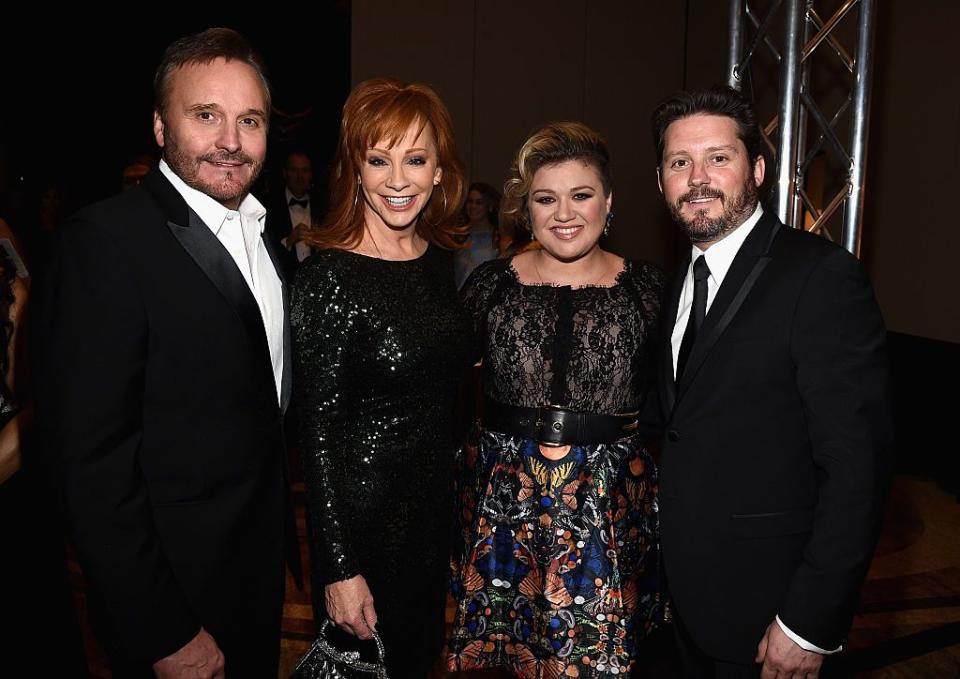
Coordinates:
(555, 143)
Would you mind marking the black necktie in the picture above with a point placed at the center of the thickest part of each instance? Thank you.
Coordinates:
(302, 202)
(698, 311)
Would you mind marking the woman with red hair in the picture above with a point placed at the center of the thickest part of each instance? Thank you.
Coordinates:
(380, 350)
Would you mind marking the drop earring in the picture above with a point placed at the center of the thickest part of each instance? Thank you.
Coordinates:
(607, 223)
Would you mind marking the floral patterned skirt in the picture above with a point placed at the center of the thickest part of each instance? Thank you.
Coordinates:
(557, 569)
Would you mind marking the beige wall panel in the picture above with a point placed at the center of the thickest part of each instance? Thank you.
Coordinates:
(911, 234)
(634, 58)
(529, 71)
(428, 41)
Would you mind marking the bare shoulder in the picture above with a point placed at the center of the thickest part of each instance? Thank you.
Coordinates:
(522, 264)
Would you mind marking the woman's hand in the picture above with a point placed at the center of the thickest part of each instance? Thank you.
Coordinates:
(350, 606)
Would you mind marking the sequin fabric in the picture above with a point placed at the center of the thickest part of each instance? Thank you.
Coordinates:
(556, 573)
(380, 348)
(8, 407)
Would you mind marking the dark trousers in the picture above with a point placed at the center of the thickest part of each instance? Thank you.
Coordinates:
(696, 664)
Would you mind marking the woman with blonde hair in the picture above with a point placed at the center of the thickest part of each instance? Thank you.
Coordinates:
(380, 350)
(556, 574)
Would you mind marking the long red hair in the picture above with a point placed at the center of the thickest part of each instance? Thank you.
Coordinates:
(378, 110)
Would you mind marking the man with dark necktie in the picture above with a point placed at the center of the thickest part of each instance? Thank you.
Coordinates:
(775, 391)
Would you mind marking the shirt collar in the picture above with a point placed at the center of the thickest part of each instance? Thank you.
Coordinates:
(721, 254)
(289, 195)
(208, 209)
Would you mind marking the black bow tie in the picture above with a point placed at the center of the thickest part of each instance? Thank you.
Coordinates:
(302, 202)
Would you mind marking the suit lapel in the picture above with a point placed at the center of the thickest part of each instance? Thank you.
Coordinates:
(666, 359)
(286, 381)
(212, 258)
(746, 268)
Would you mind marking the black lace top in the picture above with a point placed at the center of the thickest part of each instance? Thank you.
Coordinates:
(587, 349)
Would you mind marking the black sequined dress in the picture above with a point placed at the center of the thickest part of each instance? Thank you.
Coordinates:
(556, 574)
(380, 348)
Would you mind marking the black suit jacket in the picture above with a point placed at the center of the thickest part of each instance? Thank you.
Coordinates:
(774, 467)
(160, 411)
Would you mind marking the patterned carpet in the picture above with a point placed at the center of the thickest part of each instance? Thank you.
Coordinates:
(908, 627)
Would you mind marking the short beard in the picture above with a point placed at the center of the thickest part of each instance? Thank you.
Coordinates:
(227, 192)
(703, 229)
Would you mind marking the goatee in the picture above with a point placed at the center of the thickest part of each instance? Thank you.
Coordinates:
(230, 190)
(736, 210)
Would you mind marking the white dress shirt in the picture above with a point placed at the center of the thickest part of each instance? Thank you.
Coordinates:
(299, 215)
(240, 232)
(719, 257)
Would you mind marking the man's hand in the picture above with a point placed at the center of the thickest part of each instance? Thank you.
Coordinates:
(298, 233)
(783, 659)
(199, 659)
(350, 606)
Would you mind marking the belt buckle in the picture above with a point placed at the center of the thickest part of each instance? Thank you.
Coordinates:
(547, 437)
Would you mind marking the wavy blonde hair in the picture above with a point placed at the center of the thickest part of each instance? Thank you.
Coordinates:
(552, 144)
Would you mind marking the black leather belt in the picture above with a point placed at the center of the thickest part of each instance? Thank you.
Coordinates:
(553, 425)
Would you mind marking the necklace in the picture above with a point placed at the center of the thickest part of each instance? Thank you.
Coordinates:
(536, 268)
(374, 241)
(377, 247)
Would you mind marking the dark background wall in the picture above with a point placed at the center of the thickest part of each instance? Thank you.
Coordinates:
(505, 67)
(912, 220)
(76, 96)
(76, 101)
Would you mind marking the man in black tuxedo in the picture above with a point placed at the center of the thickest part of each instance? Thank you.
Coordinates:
(296, 212)
(775, 390)
(164, 371)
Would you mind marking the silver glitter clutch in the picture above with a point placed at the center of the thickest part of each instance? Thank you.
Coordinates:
(323, 661)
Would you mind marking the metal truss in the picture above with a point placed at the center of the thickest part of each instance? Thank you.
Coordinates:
(792, 32)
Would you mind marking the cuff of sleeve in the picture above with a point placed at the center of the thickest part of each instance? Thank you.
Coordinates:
(803, 643)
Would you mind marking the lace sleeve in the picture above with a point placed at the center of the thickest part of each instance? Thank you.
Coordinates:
(477, 296)
(322, 331)
(648, 287)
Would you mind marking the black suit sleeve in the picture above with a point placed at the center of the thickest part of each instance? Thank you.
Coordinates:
(838, 347)
(651, 299)
(90, 400)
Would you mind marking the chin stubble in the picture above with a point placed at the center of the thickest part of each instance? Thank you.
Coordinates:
(703, 229)
(188, 169)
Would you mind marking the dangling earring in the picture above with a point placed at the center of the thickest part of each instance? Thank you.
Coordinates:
(607, 223)
(443, 191)
(356, 197)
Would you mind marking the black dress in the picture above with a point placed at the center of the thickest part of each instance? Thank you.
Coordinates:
(557, 567)
(381, 347)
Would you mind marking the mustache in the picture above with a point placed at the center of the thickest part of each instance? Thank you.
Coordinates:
(227, 157)
(697, 194)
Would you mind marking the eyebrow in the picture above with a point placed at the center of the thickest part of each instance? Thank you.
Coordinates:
(575, 188)
(709, 149)
(217, 107)
(724, 147)
(406, 153)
